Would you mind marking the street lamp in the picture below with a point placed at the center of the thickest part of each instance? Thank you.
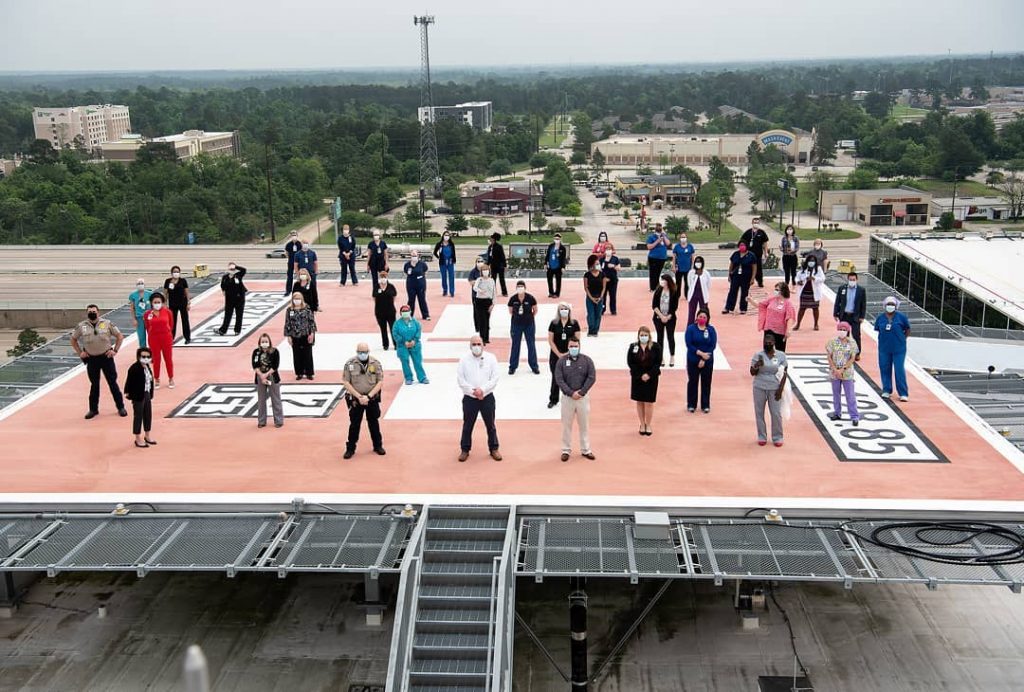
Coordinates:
(783, 187)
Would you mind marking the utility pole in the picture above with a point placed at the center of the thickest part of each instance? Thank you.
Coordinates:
(430, 176)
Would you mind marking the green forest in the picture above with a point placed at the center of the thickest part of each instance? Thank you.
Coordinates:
(361, 141)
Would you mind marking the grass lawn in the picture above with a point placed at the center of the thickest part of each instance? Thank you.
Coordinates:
(300, 221)
(966, 188)
(470, 237)
(548, 138)
(731, 231)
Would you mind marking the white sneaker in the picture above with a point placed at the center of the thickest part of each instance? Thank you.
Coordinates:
(904, 398)
(886, 395)
(170, 384)
(156, 384)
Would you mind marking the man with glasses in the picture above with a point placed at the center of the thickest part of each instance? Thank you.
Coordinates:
(477, 377)
(97, 341)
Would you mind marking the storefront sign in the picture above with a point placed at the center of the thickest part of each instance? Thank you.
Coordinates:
(784, 140)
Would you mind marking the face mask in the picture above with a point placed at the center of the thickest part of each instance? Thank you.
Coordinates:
(363, 355)
(778, 292)
(485, 273)
(698, 265)
(140, 286)
(296, 302)
(608, 254)
(817, 247)
(790, 232)
(644, 338)
(303, 279)
(521, 291)
(476, 349)
(810, 265)
(558, 242)
(890, 309)
(701, 321)
(842, 334)
(406, 316)
(382, 282)
(563, 313)
(93, 315)
(415, 259)
(853, 284)
(264, 345)
(305, 248)
(145, 361)
(682, 241)
(345, 232)
(602, 238)
(376, 238)
(231, 270)
(446, 237)
(768, 346)
(574, 351)
(176, 275)
(158, 306)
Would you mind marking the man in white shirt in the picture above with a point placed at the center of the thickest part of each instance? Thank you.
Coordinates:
(477, 377)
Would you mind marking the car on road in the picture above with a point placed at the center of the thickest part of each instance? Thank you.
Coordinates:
(600, 194)
(277, 253)
(442, 210)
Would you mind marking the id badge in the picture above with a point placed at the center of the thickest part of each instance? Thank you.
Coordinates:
(520, 309)
(888, 327)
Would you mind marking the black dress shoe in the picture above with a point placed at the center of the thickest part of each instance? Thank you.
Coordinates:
(551, 404)
(348, 454)
(379, 451)
(91, 414)
(122, 412)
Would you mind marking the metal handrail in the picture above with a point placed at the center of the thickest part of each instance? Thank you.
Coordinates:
(500, 656)
(491, 623)
(402, 636)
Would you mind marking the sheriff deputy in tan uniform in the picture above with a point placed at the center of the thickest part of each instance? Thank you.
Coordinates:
(363, 379)
(97, 341)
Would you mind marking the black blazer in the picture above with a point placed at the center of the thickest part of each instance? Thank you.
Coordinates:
(860, 302)
(563, 255)
(673, 300)
(496, 257)
(275, 364)
(135, 383)
(437, 250)
(637, 367)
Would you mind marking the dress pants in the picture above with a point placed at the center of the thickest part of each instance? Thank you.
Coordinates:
(554, 282)
(273, 390)
(552, 362)
(142, 414)
(482, 317)
(234, 307)
(699, 377)
(789, 264)
(355, 421)
(471, 408)
(763, 397)
(578, 409)
(759, 268)
(186, 326)
(666, 331)
(683, 283)
(348, 266)
(654, 267)
(610, 296)
(94, 366)
(385, 324)
(854, 323)
(302, 356)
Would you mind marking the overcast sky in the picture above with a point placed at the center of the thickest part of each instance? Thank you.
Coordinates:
(267, 34)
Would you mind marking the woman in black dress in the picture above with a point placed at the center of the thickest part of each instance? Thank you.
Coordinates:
(384, 307)
(644, 361)
(305, 285)
(138, 389)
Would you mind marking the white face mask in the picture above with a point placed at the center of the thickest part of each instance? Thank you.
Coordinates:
(445, 237)
(145, 361)
(345, 232)
(682, 241)
(176, 275)
(305, 248)
(231, 270)
(853, 284)
(158, 306)
(607, 254)
(476, 349)
(296, 302)
(811, 265)
(644, 338)
(140, 286)
(382, 282)
(521, 291)
(698, 265)
(890, 309)
(415, 258)
(406, 316)
(842, 334)
(303, 279)
(376, 238)
(363, 356)
(485, 273)
(778, 292)
(563, 313)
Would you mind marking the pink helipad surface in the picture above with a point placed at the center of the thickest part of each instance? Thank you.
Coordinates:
(49, 448)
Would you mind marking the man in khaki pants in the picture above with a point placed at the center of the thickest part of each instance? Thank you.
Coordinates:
(575, 375)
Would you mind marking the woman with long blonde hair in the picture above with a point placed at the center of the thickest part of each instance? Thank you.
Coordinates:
(644, 361)
(300, 328)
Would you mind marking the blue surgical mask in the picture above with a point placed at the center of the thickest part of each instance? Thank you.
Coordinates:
(363, 355)
(574, 351)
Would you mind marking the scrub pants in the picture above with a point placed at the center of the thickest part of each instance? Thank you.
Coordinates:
(288, 282)
(273, 390)
(448, 279)
(374, 275)
(471, 408)
(699, 377)
(845, 387)
(888, 364)
(142, 414)
(348, 266)
(759, 269)
(518, 332)
(737, 285)
(654, 267)
(555, 391)
(695, 304)
(186, 326)
(764, 397)
(683, 283)
(578, 409)
(355, 421)
(414, 354)
(612, 294)
(414, 292)
(94, 366)
(554, 282)
(162, 348)
(140, 331)
(385, 324)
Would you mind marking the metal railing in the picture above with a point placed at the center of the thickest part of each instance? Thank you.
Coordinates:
(499, 673)
(404, 631)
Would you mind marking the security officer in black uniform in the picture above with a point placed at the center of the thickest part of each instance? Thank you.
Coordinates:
(234, 297)
(363, 378)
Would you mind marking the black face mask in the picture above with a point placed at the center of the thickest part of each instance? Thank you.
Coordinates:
(769, 346)
(93, 316)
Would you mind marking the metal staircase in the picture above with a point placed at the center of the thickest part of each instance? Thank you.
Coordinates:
(455, 619)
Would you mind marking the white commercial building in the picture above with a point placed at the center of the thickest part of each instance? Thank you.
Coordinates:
(699, 149)
(991, 208)
(187, 145)
(477, 114)
(93, 124)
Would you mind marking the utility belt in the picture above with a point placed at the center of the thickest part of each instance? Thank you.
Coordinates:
(351, 402)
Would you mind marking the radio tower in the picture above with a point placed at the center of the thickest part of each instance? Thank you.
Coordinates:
(430, 176)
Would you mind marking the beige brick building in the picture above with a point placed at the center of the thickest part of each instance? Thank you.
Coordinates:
(187, 145)
(94, 124)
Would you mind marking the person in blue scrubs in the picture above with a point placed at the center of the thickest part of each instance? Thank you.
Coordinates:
(444, 251)
(408, 335)
(415, 271)
(347, 252)
(682, 258)
(657, 254)
(893, 329)
(306, 259)
(139, 298)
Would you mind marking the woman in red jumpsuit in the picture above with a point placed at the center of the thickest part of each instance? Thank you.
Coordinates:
(159, 322)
